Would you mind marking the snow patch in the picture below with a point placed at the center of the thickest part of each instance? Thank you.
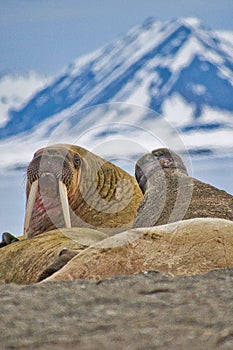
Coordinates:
(214, 140)
(15, 90)
(210, 115)
(82, 61)
(226, 35)
(198, 89)
(186, 54)
(177, 111)
(193, 21)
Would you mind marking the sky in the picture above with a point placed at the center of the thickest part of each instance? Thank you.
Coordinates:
(47, 35)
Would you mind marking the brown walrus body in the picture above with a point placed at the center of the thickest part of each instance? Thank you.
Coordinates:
(171, 195)
(70, 186)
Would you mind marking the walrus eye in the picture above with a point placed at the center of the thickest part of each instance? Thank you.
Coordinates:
(77, 161)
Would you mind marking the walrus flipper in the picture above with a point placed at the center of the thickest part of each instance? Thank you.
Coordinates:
(8, 238)
(64, 257)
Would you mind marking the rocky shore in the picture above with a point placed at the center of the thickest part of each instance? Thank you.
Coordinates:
(143, 311)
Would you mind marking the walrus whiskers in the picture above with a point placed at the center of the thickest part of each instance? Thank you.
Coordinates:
(64, 203)
(30, 206)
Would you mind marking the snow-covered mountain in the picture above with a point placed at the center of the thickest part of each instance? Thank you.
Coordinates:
(165, 83)
(15, 89)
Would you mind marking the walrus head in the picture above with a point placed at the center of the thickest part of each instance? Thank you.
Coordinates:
(70, 186)
(157, 160)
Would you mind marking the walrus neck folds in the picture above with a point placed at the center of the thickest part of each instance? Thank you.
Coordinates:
(104, 190)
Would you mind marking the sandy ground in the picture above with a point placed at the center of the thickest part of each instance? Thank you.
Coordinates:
(143, 312)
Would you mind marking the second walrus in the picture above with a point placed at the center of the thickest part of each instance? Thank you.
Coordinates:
(170, 194)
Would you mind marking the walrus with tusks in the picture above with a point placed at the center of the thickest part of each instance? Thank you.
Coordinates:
(68, 186)
(170, 194)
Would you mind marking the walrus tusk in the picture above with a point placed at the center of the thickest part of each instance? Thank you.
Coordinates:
(30, 205)
(64, 203)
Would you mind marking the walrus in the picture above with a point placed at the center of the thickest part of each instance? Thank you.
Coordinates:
(170, 194)
(69, 186)
(31, 260)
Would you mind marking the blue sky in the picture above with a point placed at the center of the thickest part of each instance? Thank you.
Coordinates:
(47, 35)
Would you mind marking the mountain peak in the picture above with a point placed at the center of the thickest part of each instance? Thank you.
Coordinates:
(191, 21)
(177, 69)
(148, 22)
(187, 21)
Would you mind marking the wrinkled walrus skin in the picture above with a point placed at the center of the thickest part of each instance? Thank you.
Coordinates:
(170, 194)
(187, 247)
(100, 195)
(29, 260)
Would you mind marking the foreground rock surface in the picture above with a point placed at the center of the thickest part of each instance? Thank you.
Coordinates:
(187, 247)
(146, 311)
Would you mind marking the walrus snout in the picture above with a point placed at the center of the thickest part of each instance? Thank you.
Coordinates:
(49, 175)
(157, 160)
(57, 166)
(169, 159)
(48, 185)
(167, 162)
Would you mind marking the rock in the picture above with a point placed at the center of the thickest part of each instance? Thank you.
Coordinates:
(26, 261)
(187, 247)
(144, 311)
